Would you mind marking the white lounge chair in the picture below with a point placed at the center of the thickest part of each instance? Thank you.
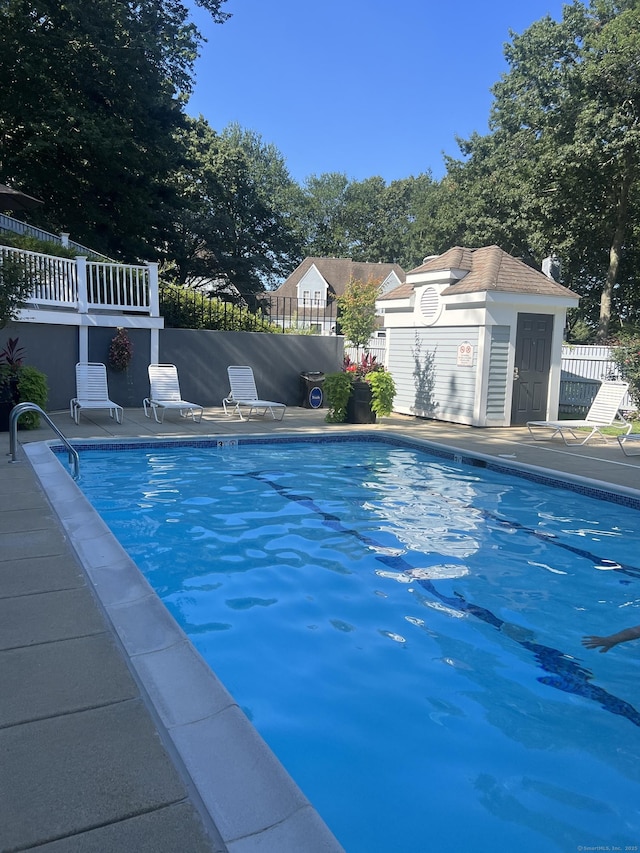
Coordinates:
(243, 393)
(603, 412)
(165, 394)
(627, 441)
(92, 391)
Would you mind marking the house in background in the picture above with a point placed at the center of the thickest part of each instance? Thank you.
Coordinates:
(307, 299)
(474, 336)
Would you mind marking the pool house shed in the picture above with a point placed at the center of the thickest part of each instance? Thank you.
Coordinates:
(474, 336)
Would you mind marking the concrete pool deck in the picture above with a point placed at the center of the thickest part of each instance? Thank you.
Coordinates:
(99, 733)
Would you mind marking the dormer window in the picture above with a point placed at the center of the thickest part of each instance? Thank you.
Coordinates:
(312, 289)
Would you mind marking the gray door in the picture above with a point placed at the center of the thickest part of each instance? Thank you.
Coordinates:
(532, 366)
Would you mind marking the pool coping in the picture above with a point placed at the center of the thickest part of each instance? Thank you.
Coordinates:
(250, 797)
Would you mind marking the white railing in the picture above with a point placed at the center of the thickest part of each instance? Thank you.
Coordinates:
(53, 279)
(17, 226)
(84, 286)
(124, 287)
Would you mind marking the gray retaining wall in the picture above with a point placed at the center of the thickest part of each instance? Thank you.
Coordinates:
(201, 357)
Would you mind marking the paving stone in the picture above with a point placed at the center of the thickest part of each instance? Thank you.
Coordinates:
(173, 829)
(26, 519)
(60, 678)
(45, 617)
(38, 543)
(39, 574)
(71, 773)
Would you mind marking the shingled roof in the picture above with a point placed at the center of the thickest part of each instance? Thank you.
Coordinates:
(486, 269)
(337, 272)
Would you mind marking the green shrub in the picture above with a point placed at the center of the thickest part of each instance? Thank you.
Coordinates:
(626, 356)
(383, 391)
(32, 388)
(183, 308)
(337, 390)
(33, 244)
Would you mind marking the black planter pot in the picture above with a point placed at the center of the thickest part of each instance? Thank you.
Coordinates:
(8, 399)
(359, 409)
(5, 410)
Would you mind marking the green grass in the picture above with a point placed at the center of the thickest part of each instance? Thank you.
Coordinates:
(613, 430)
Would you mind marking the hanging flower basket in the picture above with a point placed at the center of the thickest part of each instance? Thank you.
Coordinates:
(120, 351)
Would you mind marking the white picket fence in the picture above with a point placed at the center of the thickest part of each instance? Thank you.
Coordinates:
(376, 347)
(583, 369)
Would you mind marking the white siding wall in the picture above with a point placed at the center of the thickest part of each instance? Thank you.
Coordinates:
(428, 381)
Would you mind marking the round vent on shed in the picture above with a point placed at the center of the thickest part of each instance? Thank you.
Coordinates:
(430, 305)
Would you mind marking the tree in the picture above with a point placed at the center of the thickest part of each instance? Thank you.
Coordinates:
(379, 219)
(92, 98)
(357, 311)
(558, 171)
(279, 194)
(15, 287)
(322, 215)
(227, 227)
(366, 221)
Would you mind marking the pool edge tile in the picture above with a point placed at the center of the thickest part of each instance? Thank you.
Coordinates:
(181, 685)
(252, 790)
(302, 831)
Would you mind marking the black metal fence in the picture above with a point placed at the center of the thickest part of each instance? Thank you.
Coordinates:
(186, 308)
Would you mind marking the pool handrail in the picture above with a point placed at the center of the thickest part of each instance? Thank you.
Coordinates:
(20, 409)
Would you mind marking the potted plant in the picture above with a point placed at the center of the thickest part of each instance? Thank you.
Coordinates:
(354, 395)
(337, 391)
(383, 391)
(359, 393)
(20, 383)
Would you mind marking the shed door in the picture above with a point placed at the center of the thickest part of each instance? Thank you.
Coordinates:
(531, 369)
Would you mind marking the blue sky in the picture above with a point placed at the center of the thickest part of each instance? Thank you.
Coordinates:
(364, 87)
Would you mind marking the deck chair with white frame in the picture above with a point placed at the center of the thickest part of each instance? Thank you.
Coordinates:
(165, 394)
(92, 391)
(603, 412)
(243, 394)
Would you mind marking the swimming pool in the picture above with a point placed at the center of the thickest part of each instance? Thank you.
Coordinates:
(466, 711)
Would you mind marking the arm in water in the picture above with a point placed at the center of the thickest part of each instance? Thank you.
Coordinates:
(613, 640)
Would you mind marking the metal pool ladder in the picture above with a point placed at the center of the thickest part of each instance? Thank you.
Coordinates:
(74, 459)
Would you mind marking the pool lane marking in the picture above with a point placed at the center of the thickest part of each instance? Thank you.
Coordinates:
(565, 673)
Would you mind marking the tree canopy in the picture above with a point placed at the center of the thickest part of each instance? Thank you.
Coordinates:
(558, 171)
(93, 121)
(92, 96)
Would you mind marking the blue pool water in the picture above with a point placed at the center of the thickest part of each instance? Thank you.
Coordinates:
(404, 631)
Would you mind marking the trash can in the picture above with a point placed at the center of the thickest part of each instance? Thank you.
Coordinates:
(311, 389)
